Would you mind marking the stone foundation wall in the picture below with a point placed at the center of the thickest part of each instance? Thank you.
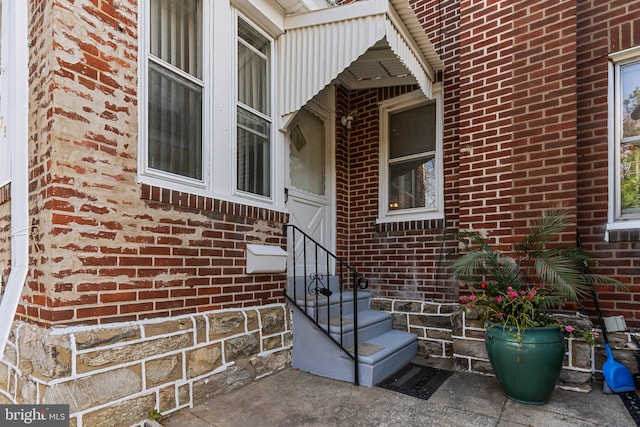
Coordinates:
(430, 321)
(445, 331)
(582, 364)
(115, 374)
(470, 353)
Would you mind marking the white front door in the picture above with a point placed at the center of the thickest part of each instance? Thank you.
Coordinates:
(309, 188)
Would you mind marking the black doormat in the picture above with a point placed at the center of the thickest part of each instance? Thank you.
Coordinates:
(416, 380)
(632, 403)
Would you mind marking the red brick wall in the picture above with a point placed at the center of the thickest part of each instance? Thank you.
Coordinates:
(520, 77)
(543, 109)
(485, 118)
(517, 113)
(106, 248)
(400, 259)
(525, 87)
(603, 27)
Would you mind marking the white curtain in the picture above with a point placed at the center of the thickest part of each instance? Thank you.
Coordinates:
(175, 87)
(254, 122)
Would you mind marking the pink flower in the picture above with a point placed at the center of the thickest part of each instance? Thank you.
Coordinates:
(463, 300)
(498, 298)
(513, 294)
(472, 298)
(533, 292)
(569, 329)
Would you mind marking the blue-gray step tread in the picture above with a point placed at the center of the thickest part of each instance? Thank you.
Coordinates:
(322, 301)
(365, 318)
(391, 342)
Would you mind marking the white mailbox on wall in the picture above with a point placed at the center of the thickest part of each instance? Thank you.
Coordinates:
(266, 259)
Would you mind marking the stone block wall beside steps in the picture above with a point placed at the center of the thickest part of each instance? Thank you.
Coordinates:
(114, 374)
(430, 321)
(446, 331)
(470, 353)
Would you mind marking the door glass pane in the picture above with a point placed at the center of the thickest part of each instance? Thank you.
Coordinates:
(307, 153)
(175, 123)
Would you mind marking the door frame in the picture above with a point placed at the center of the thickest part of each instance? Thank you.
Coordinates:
(323, 106)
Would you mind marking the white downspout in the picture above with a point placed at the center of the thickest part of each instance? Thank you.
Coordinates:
(15, 99)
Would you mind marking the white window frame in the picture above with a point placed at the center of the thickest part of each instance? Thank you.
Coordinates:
(219, 32)
(156, 176)
(272, 109)
(405, 102)
(616, 221)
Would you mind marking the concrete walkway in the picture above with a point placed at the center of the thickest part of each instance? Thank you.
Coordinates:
(295, 398)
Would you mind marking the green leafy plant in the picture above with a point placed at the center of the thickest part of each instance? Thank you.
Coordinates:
(155, 415)
(519, 287)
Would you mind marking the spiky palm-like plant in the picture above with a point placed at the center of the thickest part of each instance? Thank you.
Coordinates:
(519, 286)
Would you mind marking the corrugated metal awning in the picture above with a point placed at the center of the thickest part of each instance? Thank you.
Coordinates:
(318, 46)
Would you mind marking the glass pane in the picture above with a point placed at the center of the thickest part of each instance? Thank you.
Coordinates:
(630, 99)
(630, 178)
(254, 154)
(253, 68)
(412, 131)
(176, 33)
(412, 184)
(307, 153)
(175, 123)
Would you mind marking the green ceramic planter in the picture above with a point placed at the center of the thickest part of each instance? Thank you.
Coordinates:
(527, 368)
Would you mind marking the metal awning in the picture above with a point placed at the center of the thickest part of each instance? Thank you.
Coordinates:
(378, 42)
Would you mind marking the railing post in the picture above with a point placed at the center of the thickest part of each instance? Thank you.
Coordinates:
(352, 276)
(356, 380)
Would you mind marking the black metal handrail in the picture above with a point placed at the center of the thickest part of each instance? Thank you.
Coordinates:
(318, 282)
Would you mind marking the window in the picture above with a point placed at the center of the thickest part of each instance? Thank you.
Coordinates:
(625, 138)
(253, 111)
(175, 87)
(206, 101)
(410, 159)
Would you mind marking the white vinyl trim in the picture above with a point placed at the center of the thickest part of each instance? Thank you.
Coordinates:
(319, 45)
(615, 220)
(409, 100)
(15, 54)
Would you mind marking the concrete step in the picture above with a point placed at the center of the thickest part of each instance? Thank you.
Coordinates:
(336, 305)
(371, 324)
(382, 350)
(383, 355)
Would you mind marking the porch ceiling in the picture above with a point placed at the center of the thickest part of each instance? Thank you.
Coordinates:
(370, 43)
